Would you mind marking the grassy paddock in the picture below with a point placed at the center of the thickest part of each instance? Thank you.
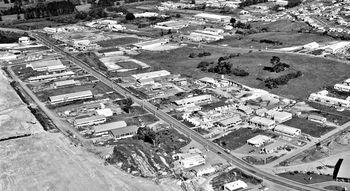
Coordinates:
(312, 128)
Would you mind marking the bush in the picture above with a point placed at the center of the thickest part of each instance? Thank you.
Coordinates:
(130, 16)
(239, 72)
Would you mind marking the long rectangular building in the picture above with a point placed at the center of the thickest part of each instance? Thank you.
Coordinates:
(71, 97)
(150, 75)
(213, 17)
(105, 128)
(89, 121)
(194, 100)
(47, 65)
(262, 122)
(49, 77)
(327, 100)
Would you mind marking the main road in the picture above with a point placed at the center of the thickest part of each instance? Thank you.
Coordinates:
(178, 125)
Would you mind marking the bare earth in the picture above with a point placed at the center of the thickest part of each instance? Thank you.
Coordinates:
(47, 161)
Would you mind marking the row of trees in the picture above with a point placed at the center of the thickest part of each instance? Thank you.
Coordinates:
(247, 3)
(282, 80)
(277, 65)
(55, 8)
(201, 54)
(95, 13)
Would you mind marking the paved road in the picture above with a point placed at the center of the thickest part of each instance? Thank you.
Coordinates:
(179, 126)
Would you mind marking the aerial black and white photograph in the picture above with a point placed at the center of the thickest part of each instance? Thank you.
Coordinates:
(174, 95)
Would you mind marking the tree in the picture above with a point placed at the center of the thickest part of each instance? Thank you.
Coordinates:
(275, 60)
(130, 16)
(146, 134)
(232, 21)
(127, 103)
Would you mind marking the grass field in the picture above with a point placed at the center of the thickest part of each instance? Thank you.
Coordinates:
(281, 26)
(117, 42)
(98, 88)
(317, 72)
(286, 39)
(239, 138)
(312, 128)
(128, 65)
(305, 178)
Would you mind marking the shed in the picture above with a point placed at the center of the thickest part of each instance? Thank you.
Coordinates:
(258, 140)
(284, 129)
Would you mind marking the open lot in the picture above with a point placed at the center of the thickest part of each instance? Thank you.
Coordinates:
(118, 41)
(281, 39)
(306, 178)
(239, 137)
(282, 26)
(309, 127)
(316, 72)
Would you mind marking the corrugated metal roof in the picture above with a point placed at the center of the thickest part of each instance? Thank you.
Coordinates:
(124, 130)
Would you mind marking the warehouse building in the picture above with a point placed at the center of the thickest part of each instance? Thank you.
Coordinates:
(200, 36)
(152, 43)
(188, 160)
(342, 87)
(229, 122)
(213, 18)
(65, 83)
(194, 100)
(107, 112)
(47, 65)
(125, 132)
(89, 121)
(171, 25)
(316, 118)
(236, 185)
(287, 130)
(151, 75)
(268, 149)
(262, 122)
(321, 97)
(48, 77)
(341, 170)
(258, 140)
(204, 170)
(106, 128)
(71, 97)
(279, 116)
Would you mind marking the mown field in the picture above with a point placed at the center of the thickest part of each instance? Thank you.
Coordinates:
(317, 72)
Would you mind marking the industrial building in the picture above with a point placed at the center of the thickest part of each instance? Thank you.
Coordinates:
(194, 100)
(171, 25)
(229, 122)
(48, 77)
(316, 118)
(71, 97)
(268, 149)
(262, 122)
(321, 97)
(107, 112)
(287, 130)
(259, 140)
(151, 43)
(200, 36)
(342, 87)
(341, 170)
(279, 116)
(47, 65)
(65, 83)
(151, 75)
(89, 121)
(213, 18)
(236, 185)
(188, 160)
(124, 132)
(105, 128)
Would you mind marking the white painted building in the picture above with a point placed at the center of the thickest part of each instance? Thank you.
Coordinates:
(49, 77)
(188, 160)
(107, 112)
(236, 185)
(47, 65)
(213, 17)
(24, 40)
(194, 100)
(262, 122)
(151, 43)
(287, 130)
(229, 122)
(151, 75)
(259, 140)
(279, 116)
(342, 87)
(321, 97)
(71, 97)
(65, 83)
(89, 121)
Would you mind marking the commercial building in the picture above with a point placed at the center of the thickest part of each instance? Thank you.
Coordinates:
(316, 118)
(105, 128)
(259, 140)
(236, 185)
(71, 97)
(48, 77)
(24, 40)
(342, 87)
(279, 116)
(171, 25)
(262, 122)
(47, 65)
(107, 112)
(268, 149)
(152, 43)
(229, 122)
(287, 130)
(124, 132)
(194, 100)
(89, 121)
(204, 169)
(188, 160)
(200, 36)
(321, 97)
(341, 171)
(213, 18)
(151, 75)
(148, 81)
(65, 83)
